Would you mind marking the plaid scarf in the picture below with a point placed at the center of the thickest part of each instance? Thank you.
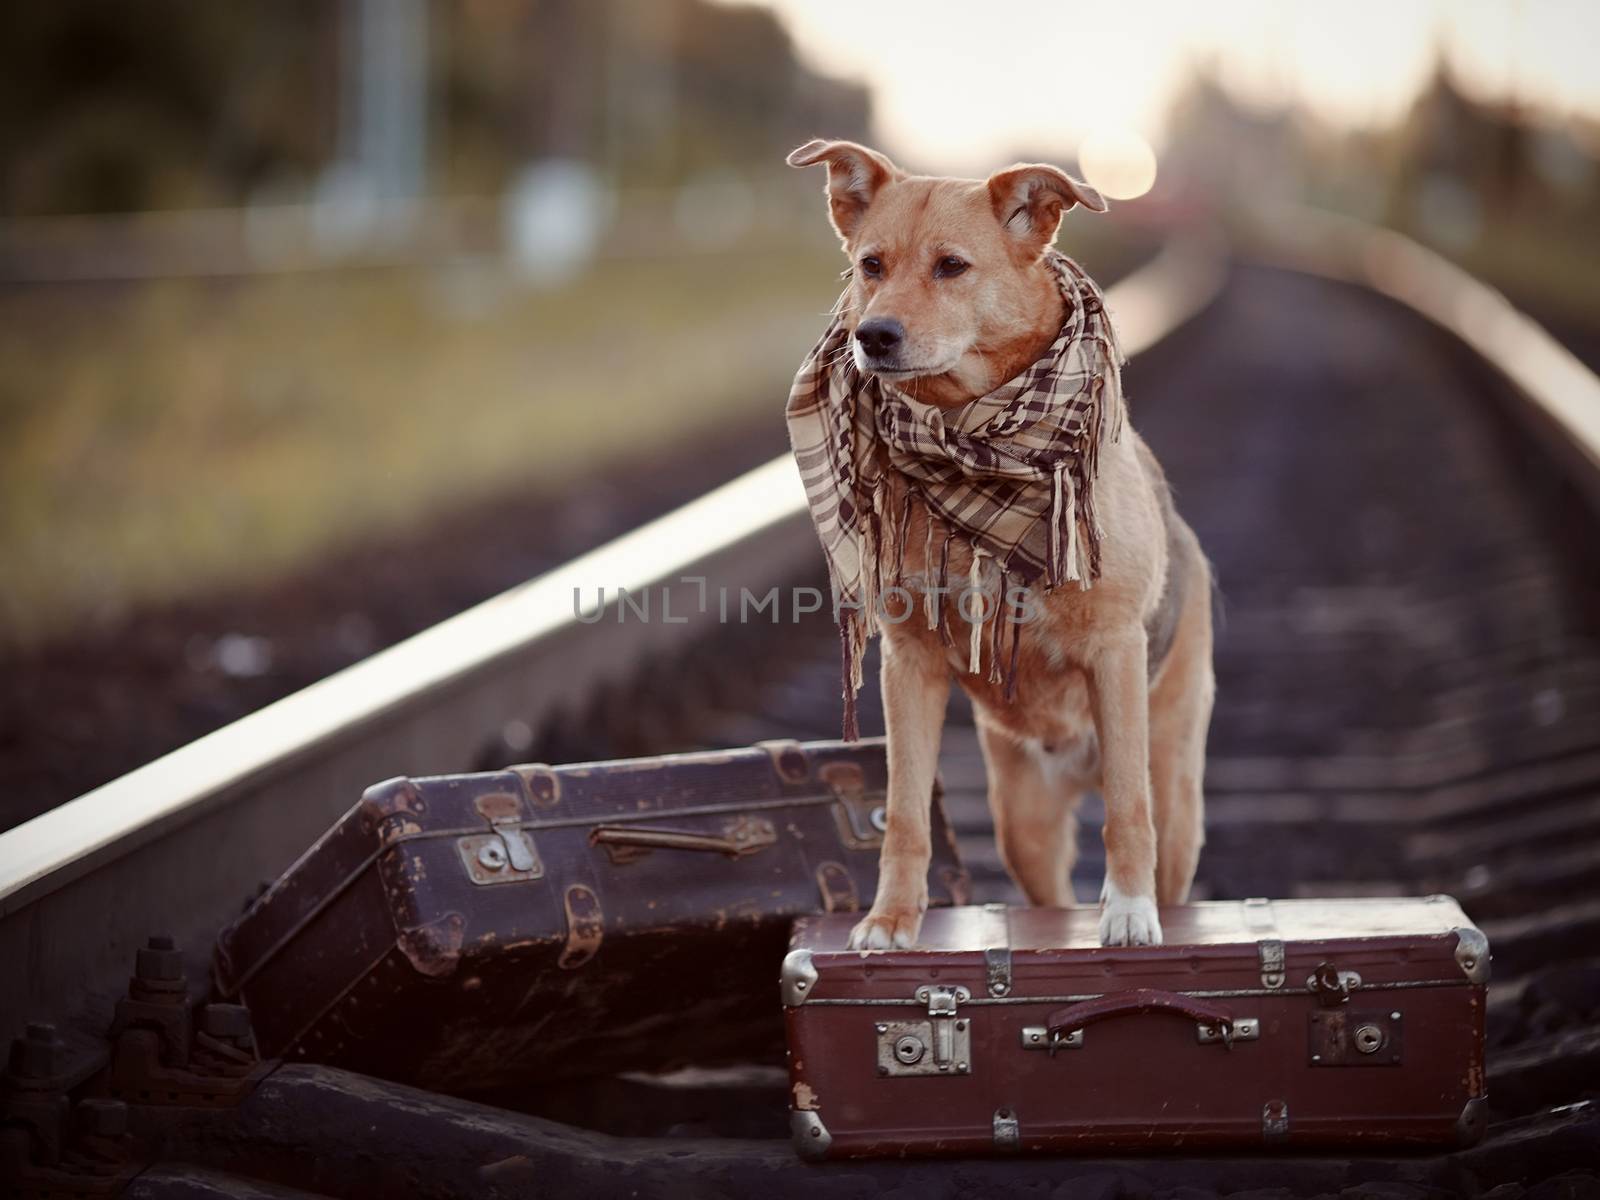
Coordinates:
(1011, 473)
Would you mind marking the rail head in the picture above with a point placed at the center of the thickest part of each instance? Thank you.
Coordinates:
(1553, 380)
(115, 818)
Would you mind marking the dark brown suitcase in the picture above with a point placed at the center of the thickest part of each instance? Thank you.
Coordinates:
(1298, 1022)
(474, 931)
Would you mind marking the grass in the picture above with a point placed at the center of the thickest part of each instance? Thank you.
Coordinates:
(163, 439)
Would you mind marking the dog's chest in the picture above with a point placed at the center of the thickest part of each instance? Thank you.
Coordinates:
(1050, 703)
(1049, 709)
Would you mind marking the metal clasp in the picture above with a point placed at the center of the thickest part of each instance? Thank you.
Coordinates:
(506, 854)
(940, 1045)
(1269, 951)
(1331, 986)
(942, 1002)
(517, 849)
(997, 961)
(1037, 1037)
(1240, 1029)
(862, 816)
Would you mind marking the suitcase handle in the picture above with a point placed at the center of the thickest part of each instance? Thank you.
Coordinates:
(1065, 1021)
(627, 842)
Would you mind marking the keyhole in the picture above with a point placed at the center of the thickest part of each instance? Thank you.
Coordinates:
(492, 856)
(909, 1049)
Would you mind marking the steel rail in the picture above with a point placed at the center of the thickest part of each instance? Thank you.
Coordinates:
(174, 843)
(1562, 394)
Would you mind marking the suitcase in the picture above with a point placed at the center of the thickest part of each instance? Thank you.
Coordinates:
(472, 932)
(1283, 1023)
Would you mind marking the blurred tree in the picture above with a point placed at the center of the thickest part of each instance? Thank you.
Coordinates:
(107, 106)
(1506, 163)
(652, 90)
(112, 107)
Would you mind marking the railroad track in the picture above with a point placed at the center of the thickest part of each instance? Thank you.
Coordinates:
(1395, 479)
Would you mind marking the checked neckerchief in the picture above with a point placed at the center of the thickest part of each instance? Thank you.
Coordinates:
(1012, 472)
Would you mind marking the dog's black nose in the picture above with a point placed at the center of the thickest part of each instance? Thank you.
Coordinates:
(880, 336)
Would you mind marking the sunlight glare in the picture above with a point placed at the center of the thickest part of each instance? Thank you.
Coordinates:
(1118, 163)
(961, 88)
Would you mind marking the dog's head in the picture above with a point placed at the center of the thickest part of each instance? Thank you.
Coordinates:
(949, 294)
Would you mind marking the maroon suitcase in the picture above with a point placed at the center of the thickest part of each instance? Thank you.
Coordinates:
(1297, 1022)
(469, 932)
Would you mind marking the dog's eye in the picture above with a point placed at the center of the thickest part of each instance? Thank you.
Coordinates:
(949, 265)
(871, 266)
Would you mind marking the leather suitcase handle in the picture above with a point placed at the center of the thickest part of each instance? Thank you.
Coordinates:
(748, 839)
(1133, 1002)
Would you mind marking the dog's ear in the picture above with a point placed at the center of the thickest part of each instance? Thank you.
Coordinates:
(855, 174)
(1030, 198)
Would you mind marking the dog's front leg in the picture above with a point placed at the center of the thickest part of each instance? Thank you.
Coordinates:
(916, 685)
(1119, 685)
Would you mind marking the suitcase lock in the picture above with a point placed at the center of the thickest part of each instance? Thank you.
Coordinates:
(1342, 1037)
(861, 815)
(940, 1045)
(505, 855)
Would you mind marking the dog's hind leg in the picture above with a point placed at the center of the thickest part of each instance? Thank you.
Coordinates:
(916, 687)
(1034, 804)
(1180, 713)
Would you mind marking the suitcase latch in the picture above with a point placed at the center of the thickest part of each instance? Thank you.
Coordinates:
(940, 1045)
(1331, 986)
(861, 815)
(507, 853)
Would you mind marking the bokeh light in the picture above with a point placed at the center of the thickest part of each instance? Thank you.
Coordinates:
(1118, 163)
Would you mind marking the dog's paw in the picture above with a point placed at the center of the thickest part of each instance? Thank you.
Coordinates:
(1128, 920)
(891, 929)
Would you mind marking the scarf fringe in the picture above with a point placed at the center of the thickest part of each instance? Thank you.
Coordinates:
(1016, 647)
(851, 730)
(998, 633)
(858, 625)
(975, 640)
(944, 583)
(902, 531)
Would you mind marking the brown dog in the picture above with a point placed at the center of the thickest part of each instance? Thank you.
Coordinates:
(950, 297)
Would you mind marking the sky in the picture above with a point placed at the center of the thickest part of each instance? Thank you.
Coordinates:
(959, 84)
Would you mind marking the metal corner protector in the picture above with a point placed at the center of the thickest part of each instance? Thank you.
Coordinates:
(798, 979)
(1472, 953)
(811, 1136)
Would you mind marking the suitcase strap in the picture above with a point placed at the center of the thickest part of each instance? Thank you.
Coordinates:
(1065, 1022)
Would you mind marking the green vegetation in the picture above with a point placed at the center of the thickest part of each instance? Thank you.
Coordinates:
(162, 439)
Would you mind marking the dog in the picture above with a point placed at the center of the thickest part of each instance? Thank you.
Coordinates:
(949, 296)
